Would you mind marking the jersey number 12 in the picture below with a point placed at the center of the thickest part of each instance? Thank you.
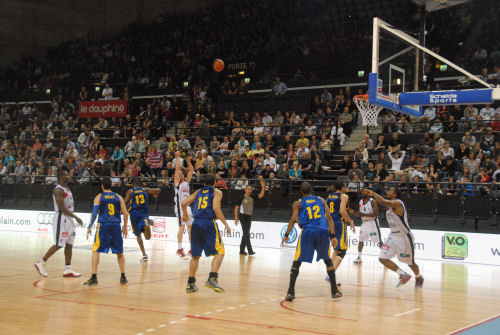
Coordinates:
(316, 212)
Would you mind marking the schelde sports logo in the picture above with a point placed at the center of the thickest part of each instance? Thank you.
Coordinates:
(442, 98)
(293, 234)
(455, 246)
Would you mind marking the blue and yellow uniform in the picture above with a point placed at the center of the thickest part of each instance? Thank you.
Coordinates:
(109, 233)
(205, 234)
(333, 202)
(315, 231)
(138, 210)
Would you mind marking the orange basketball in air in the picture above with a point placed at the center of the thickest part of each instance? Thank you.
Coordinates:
(218, 65)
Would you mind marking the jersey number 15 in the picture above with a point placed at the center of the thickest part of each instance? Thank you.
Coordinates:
(202, 203)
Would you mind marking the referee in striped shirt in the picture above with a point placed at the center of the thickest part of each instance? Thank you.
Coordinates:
(243, 211)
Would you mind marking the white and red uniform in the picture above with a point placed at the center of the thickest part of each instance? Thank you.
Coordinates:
(400, 241)
(181, 194)
(370, 228)
(64, 226)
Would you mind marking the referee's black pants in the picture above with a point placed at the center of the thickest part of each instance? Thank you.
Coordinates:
(246, 224)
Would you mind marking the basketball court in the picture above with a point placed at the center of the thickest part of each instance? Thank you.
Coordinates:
(454, 297)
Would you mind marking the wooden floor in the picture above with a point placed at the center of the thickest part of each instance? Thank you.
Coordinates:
(154, 301)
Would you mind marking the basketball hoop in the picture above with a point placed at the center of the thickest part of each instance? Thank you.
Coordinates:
(369, 112)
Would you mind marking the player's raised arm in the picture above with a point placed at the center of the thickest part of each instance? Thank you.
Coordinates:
(59, 196)
(178, 169)
(344, 198)
(124, 212)
(217, 211)
(153, 191)
(291, 223)
(190, 169)
(188, 201)
(396, 205)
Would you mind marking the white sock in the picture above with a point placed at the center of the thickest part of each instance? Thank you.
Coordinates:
(67, 266)
(359, 254)
(400, 272)
(179, 246)
(41, 261)
(418, 276)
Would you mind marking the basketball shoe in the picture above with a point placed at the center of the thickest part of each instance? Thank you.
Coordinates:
(70, 273)
(40, 266)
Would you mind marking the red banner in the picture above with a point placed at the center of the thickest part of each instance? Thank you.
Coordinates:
(106, 108)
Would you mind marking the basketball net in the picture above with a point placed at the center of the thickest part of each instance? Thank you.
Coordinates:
(369, 112)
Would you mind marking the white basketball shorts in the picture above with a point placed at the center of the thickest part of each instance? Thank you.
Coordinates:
(370, 230)
(64, 229)
(399, 244)
(190, 220)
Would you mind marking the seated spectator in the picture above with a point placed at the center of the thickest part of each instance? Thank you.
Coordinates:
(355, 185)
(295, 172)
(396, 159)
(436, 127)
(466, 188)
(355, 170)
(483, 178)
(346, 165)
(346, 121)
(473, 162)
(447, 150)
(469, 140)
(417, 186)
(214, 145)
(242, 183)
(117, 158)
(337, 134)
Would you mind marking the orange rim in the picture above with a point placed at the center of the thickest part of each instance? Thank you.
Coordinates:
(363, 97)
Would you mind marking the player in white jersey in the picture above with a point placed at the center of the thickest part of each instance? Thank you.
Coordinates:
(181, 187)
(63, 225)
(370, 227)
(400, 241)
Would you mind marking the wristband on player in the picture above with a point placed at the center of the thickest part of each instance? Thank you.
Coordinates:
(287, 234)
(331, 235)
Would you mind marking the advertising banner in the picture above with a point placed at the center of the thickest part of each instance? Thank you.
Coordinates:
(105, 109)
(429, 244)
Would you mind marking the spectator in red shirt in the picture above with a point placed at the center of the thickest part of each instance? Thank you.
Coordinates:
(495, 125)
(103, 153)
(156, 160)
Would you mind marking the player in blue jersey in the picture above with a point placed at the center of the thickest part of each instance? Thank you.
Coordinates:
(137, 202)
(108, 206)
(317, 231)
(338, 206)
(205, 234)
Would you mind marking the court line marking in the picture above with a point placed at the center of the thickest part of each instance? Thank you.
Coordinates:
(282, 304)
(475, 324)
(161, 326)
(407, 312)
(270, 326)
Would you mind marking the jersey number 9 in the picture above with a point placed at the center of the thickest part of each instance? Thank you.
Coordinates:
(316, 212)
(111, 209)
(202, 203)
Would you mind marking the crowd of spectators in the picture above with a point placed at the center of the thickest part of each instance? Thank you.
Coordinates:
(276, 147)
(438, 161)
